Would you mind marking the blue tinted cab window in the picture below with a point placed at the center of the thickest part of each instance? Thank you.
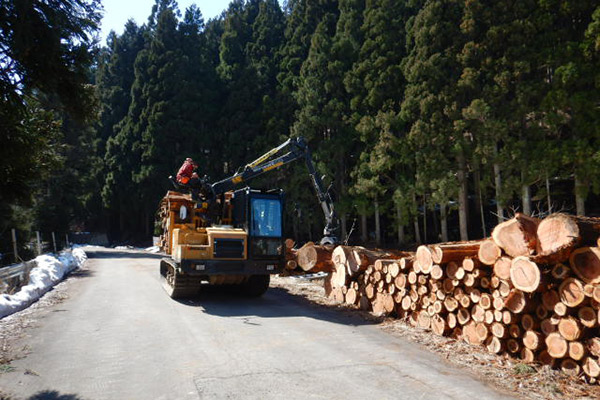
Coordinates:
(266, 217)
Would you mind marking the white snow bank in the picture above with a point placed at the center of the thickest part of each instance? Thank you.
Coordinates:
(48, 272)
(153, 249)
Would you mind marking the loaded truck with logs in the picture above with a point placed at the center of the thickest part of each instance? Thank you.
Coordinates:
(229, 233)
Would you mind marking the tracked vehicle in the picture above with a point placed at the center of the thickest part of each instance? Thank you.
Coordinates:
(227, 236)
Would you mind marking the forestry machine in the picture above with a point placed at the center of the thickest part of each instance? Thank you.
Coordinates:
(233, 237)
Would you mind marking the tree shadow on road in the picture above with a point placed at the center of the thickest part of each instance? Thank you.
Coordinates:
(276, 303)
(121, 254)
(53, 395)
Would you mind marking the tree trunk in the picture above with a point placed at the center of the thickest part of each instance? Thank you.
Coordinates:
(344, 227)
(399, 222)
(548, 199)
(498, 185)
(444, 222)
(364, 235)
(424, 220)
(463, 206)
(526, 193)
(579, 195)
(477, 179)
(377, 224)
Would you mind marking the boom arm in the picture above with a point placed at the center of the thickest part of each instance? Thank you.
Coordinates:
(293, 149)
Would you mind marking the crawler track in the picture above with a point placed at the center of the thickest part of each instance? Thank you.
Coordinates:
(176, 285)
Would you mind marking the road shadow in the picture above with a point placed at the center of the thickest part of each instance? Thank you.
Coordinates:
(81, 273)
(53, 395)
(121, 254)
(276, 303)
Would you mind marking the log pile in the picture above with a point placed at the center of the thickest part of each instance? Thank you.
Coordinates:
(531, 291)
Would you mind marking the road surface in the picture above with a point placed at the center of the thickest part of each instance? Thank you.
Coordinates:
(118, 336)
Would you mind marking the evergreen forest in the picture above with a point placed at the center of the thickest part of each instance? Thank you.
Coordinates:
(432, 120)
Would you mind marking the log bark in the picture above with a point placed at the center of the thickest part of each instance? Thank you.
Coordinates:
(364, 257)
(455, 251)
(315, 258)
(525, 274)
(585, 262)
(517, 236)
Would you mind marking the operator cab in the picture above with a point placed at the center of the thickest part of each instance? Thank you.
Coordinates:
(260, 213)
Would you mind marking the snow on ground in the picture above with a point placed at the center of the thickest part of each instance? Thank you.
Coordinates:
(49, 271)
(153, 249)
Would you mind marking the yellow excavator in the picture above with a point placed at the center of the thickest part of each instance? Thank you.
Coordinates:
(228, 236)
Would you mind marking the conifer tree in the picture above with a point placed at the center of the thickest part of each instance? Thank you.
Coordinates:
(376, 84)
(433, 103)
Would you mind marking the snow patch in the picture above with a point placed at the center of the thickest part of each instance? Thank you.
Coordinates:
(49, 270)
(153, 249)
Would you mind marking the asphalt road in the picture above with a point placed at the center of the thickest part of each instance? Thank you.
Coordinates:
(118, 336)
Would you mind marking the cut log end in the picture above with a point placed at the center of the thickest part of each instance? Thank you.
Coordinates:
(557, 235)
(517, 236)
(585, 262)
(556, 345)
(571, 292)
(525, 274)
(489, 252)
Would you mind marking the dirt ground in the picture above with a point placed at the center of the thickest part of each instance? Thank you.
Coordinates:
(14, 327)
(526, 381)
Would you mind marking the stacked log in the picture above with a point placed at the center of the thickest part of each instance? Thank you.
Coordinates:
(532, 290)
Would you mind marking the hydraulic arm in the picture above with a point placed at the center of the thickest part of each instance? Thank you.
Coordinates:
(291, 150)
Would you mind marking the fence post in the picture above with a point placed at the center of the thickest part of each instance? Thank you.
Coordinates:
(39, 243)
(14, 240)
(54, 242)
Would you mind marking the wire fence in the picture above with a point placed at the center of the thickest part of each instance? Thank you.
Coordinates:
(17, 246)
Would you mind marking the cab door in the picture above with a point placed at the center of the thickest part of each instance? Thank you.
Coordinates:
(265, 226)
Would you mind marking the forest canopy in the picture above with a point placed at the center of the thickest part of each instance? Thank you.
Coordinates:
(433, 120)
